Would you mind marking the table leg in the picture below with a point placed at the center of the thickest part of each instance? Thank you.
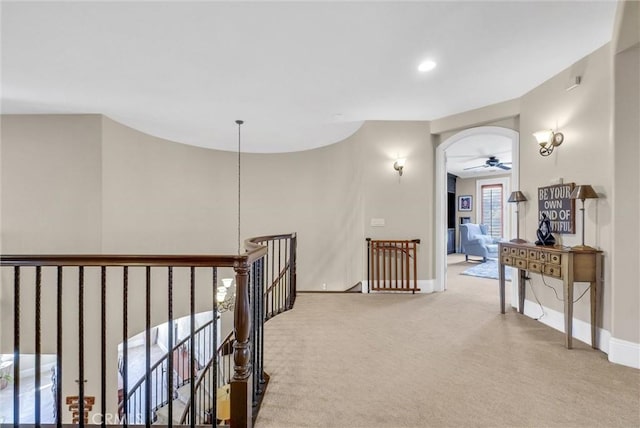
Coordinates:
(568, 301)
(522, 275)
(501, 282)
(595, 289)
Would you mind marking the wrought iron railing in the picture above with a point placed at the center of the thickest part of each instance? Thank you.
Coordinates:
(92, 297)
(151, 384)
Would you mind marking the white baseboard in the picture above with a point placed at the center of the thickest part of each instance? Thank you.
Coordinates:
(581, 329)
(425, 286)
(624, 353)
(620, 351)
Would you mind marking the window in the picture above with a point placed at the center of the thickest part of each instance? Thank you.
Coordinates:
(491, 209)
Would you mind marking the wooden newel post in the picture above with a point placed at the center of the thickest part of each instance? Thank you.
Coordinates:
(241, 385)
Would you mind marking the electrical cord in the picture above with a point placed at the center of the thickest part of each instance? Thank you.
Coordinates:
(556, 293)
(536, 297)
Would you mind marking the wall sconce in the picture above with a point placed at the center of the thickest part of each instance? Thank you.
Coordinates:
(398, 165)
(582, 192)
(548, 140)
(517, 197)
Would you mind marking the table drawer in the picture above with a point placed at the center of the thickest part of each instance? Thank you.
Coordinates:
(552, 270)
(507, 260)
(535, 266)
(522, 253)
(533, 255)
(555, 258)
(513, 251)
(521, 263)
(506, 250)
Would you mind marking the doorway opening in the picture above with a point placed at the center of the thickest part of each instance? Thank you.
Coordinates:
(469, 151)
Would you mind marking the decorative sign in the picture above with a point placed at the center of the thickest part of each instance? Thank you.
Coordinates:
(556, 203)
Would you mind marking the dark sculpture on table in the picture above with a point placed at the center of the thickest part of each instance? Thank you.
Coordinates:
(544, 232)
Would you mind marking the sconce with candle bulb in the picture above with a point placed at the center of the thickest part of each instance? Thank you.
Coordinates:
(548, 140)
(398, 165)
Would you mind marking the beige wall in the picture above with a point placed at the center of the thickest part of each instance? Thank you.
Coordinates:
(406, 203)
(626, 187)
(49, 167)
(149, 195)
(585, 157)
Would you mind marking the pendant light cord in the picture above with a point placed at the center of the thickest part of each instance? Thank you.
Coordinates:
(239, 122)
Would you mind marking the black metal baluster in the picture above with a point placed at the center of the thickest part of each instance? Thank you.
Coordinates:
(273, 275)
(103, 344)
(279, 300)
(147, 326)
(58, 397)
(252, 334)
(213, 385)
(170, 356)
(81, 345)
(285, 276)
(125, 343)
(259, 320)
(192, 360)
(369, 265)
(38, 361)
(261, 314)
(16, 346)
(294, 267)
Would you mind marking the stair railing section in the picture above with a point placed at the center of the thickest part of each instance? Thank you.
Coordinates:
(95, 301)
(211, 389)
(272, 285)
(392, 265)
(280, 272)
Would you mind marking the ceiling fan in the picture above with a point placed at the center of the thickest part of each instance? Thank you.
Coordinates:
(492, 162)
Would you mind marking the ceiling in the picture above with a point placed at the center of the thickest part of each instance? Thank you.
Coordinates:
(467, 157)
(301, 74)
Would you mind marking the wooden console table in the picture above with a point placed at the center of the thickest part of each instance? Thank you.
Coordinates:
(556, 262)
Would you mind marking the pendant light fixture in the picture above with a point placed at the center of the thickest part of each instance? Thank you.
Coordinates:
(239, 122)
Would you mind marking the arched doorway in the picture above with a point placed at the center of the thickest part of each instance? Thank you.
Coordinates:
(441, 192)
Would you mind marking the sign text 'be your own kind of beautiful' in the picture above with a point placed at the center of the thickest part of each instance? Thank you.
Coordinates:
(555, 201)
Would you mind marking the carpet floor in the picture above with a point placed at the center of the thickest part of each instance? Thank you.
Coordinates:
(446, 359)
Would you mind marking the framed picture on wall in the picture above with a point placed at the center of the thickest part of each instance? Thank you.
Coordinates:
(465, 203)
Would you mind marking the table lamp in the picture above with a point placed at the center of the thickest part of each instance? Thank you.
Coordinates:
(517, 197)
(582, 192)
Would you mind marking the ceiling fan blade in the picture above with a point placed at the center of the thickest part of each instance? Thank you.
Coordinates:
(474, 167)
(506, 163)
(503, 166)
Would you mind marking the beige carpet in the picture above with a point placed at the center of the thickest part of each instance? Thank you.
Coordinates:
(440, 360)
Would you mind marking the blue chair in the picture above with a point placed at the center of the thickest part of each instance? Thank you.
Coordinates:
(474, 241)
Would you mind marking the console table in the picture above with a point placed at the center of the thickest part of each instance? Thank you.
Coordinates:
(556, 262)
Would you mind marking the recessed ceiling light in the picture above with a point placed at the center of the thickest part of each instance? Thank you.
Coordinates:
(426, 65)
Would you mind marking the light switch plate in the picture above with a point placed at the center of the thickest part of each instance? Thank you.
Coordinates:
(377, 222)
